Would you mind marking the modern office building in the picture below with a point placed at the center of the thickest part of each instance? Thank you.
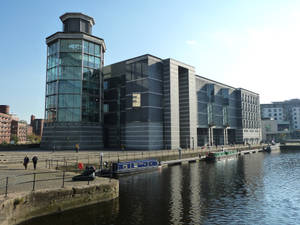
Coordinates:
(148, 103)
(74, 86)
(153, 103)
(287, 115)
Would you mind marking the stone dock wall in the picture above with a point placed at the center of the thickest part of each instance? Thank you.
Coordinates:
(19, 207)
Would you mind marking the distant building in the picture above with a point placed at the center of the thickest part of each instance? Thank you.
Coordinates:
(37, 125)
(270, 131)
(287, 115)
(5, 124)
(19, 129)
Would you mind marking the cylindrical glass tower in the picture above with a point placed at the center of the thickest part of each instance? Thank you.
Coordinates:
(73, 113)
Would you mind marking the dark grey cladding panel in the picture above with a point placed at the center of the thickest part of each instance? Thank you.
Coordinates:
(65, 138)
(143, 136)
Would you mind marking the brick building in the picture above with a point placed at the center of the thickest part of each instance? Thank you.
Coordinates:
(19, 128)
(37, 125)
(5, 124)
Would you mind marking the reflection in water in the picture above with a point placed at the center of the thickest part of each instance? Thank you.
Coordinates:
(195, 210)
(176, 194)
(253, 189)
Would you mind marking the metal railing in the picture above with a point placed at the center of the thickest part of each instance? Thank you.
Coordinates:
(34, 181)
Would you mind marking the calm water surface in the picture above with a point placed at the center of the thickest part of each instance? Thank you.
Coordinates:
(254, 189)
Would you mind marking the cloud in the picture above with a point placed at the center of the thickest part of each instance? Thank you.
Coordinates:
(191, 42)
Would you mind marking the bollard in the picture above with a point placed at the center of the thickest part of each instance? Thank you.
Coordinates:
(56, 164)
(46, 163)
(6, 186)
(33, 186)
(88, 182)
(63, 180)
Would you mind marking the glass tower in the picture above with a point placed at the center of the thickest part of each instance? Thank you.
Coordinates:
(73, 112)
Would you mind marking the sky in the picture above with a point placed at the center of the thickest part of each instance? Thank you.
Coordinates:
(253, 44)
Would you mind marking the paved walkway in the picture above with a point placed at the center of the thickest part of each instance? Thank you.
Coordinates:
(21, 180)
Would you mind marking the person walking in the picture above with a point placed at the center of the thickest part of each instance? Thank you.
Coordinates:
(77, 147)
(26, 161)
(34, 160)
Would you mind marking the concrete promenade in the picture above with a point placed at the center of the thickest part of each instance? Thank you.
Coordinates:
(32, 193)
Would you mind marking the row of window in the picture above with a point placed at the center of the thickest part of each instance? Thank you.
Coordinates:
(72, 73)
(250, 99)
(274, 110)
(64, 86)
(74, 45)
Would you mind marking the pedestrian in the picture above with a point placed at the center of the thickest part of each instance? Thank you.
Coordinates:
(34, 160)
(77, 147)
(26, 161)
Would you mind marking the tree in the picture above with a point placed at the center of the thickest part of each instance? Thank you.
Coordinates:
(14, 138)
(32, 138)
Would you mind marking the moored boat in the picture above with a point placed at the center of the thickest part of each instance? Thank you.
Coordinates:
(136, 166)
(215, 156)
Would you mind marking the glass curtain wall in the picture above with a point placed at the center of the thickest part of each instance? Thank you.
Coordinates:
(91, 82)
(69, 85)
(51, 85)
(73, 81)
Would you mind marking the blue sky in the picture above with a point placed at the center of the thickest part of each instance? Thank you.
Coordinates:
(252, 44)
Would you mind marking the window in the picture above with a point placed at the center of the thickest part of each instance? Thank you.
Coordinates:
(69, 45)
(106, 108)
(69, 72)
(105, 85)
(70, 59)
(275, 110)
(86, 47)
(269, 110)
(66, 86)
(97, 50)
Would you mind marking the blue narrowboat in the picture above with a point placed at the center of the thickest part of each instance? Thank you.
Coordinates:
(136, 166)
(120, 168)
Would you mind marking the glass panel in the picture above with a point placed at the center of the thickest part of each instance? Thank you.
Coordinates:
(85, 60)
(105, 85)
(86, 47)
(52, 74)
(91, 48)
(68, 72)
(70, 59)
(69, 45)
(91, 61)
(97, 50)
(51, 88)
(66, 86)
(51, 115)
(69, 115)
(50, 101)
(69, 101)
(97, 62)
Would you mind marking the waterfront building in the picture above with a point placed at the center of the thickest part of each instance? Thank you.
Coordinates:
(74, 86)
(287, 115)
(143, 103)
(5, 124)
(153, 103)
